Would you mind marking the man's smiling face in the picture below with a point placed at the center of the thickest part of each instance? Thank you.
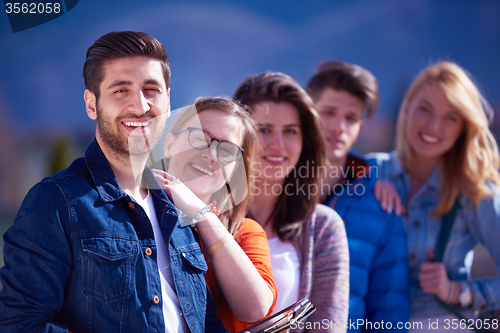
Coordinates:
(133, 105)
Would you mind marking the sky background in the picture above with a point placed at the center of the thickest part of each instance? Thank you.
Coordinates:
(213, 47)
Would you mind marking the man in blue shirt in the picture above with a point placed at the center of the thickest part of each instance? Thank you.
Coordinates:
(82, 255)
(379, 293)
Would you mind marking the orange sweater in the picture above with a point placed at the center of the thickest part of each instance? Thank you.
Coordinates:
(252, 239)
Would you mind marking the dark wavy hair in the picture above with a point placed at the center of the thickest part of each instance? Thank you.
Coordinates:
(121, 44)
(291, 211)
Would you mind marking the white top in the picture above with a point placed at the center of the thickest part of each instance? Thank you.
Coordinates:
(172, 313)
(286, 271)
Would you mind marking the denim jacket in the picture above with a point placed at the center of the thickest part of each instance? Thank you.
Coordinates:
(81, 255)
(471, 226)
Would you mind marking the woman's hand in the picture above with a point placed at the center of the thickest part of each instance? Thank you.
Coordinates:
(182, 197)
(232, 267)
(388, 197)
(434, 279)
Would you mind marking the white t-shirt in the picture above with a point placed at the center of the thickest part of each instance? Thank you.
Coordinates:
(172, 313)
(286, 271)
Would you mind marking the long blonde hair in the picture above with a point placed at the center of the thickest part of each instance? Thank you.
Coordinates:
(474, 157)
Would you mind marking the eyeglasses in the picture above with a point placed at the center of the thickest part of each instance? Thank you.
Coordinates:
(201, 139)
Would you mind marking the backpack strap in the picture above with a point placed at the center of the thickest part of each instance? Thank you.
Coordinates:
(443, 237)
(445, 231)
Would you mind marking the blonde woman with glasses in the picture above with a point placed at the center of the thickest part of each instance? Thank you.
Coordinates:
(206, 173)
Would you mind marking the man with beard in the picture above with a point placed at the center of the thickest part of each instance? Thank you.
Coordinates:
(83, 254)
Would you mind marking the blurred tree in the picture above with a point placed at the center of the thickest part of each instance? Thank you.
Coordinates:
(62, 155)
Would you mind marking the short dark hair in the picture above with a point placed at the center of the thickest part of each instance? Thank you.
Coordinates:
(291, 211)
(121, 44)
(343, 76)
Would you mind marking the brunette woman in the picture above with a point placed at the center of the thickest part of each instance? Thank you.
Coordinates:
(308, 243)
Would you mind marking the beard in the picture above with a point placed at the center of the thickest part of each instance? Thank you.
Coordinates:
(139, 142)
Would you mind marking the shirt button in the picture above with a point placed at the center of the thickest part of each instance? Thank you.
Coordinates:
(131, 205)
(156, 299)
(183, 254)
(416, 224)
(483, 306)
(148, 251)
(413, 256)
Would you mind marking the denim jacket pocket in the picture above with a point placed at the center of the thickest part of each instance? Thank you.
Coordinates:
(191, 272)
(195, 259)
(107, 266)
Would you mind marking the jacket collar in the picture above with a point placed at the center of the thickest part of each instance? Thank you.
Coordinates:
(105, 181)
(357, 168)
(434, 178)
(354, 173)
(102, 174)
(396, 170)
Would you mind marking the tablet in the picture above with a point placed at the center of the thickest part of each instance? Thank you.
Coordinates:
(282, 320)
